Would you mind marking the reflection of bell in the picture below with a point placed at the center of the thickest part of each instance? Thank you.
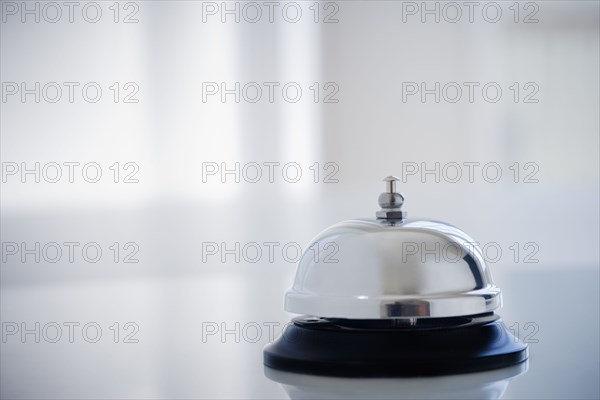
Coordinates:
(477, 385)
(392, 296)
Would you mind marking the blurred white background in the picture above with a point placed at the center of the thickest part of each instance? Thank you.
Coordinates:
(364, 125)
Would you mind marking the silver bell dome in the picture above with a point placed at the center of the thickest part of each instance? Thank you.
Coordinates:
(392, 267)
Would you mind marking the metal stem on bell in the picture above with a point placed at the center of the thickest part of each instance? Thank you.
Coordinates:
(391, 201)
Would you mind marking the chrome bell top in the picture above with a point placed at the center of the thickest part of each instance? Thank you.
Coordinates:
(392, 267)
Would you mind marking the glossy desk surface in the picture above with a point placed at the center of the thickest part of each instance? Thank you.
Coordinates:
(202, 337)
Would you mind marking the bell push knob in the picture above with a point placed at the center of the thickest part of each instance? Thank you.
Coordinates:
(391, 201)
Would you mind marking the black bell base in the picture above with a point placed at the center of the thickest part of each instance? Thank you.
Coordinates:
(328, 347)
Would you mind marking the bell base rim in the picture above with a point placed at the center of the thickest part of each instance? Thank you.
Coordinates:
(317, 349)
